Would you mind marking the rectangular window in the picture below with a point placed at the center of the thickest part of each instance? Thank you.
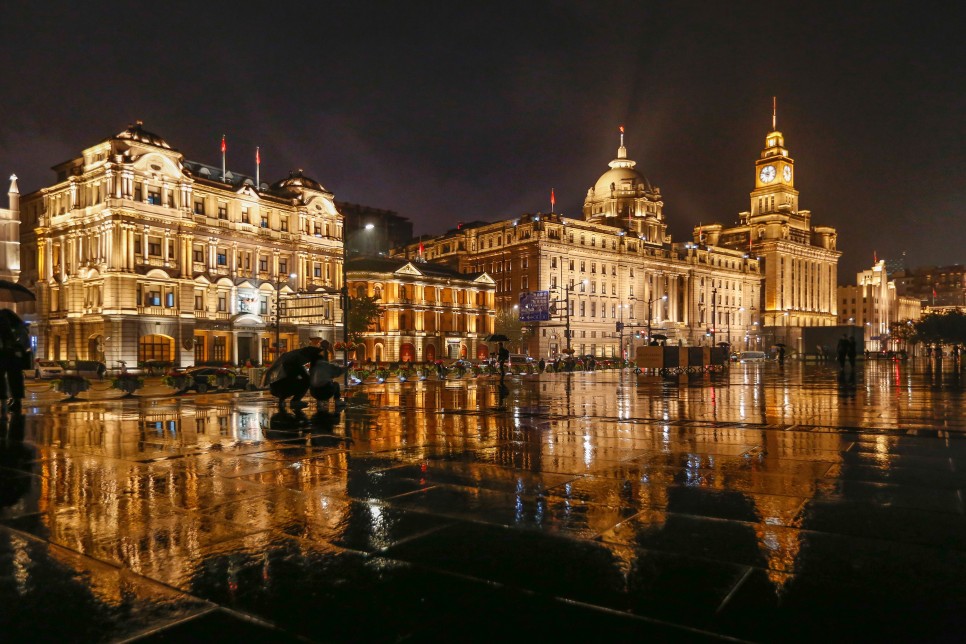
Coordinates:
(222, 211)
(317, 270)
(198, 255)
(171, 248)
(593, 309)
(553, 262)
(222, 257)
(169, 299)
(263, 264)
(154, 246)
(219, 348)
(246, 215)
(583, 309)
(137, 192)
(248, 260)
(199, 302)
(524, 283)
(283, 266)
(284, 223)
(154, 298)
(222, 303)
(137, 245)
(154, 196)
(199, 207)
(263, 306)
(264, 223)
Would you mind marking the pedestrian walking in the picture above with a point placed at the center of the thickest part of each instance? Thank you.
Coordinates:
(781, 355)
(842, 351)
(850, 350)
(503, 354)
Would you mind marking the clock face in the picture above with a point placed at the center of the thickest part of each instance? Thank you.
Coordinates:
(787, 173)
(767, 174)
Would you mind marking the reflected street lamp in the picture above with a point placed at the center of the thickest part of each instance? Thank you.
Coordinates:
(650, 313)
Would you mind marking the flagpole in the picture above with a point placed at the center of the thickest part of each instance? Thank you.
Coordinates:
(224, 173)
(258, 168)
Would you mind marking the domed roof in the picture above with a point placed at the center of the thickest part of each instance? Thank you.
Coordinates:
(298, 181)
(617, 176)
(137, 133)
(621, 172)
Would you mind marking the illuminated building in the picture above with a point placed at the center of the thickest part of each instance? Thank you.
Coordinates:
(140, 254)
(799, 260)
(10, 234)
(429, 311)
(875, 305)
(937, 287)
(615, 265)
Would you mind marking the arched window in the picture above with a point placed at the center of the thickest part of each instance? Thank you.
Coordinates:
(377, 293)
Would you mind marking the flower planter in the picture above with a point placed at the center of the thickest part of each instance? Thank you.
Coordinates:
(72, 385)
(128, 383)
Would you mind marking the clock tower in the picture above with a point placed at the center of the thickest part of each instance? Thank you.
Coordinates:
(774, 176)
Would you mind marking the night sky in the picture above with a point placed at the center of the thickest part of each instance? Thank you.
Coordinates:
(448, 112)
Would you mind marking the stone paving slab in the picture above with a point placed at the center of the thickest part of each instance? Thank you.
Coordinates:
(763, 504)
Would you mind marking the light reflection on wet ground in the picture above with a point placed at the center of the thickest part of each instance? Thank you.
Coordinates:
(763, 504)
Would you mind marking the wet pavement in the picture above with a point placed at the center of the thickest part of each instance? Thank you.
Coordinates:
(762, 504)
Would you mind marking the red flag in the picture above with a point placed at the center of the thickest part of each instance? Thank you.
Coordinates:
(258, 157)
(223, 146)
(553, 200)
(421, 249)
(875, 257)
(622, 129)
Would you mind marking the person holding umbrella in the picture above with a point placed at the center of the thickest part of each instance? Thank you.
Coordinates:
(287, 376)
(14, 358)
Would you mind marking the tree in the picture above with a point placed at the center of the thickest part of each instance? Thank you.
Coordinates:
(948, 327)
(904, 332)
(363, 311)
(508, 323)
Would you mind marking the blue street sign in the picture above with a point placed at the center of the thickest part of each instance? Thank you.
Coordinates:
(535, 306)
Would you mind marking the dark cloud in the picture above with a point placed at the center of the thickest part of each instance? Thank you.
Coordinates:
(450, 113)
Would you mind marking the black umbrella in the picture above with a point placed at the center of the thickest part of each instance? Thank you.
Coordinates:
(496, 337)
(779, 344)
(12, 292)
(323, 373)
(658, 336)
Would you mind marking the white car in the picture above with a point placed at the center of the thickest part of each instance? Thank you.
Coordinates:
(752, 356)
(48, 369)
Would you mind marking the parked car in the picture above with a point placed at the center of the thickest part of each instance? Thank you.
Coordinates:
(203, 379)
(519, 360)
(752, 356)
(48, 369)
(86, 368)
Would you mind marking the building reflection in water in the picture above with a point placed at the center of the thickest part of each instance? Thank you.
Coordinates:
(166, 487)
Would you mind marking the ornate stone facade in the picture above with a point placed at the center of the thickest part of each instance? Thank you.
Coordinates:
(799, 260)
(140, 254)
(616, 265)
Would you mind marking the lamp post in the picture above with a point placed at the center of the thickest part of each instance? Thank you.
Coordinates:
(714, 314)
(346, 301)
(278, 312)
(650, 313)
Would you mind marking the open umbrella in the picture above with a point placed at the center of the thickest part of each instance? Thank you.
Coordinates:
(323, 373)
(658, 336)
(496, 337)
(779, 344)
(12, 292)
(570, 351)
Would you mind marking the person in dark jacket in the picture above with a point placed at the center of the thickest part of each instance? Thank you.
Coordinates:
(14, 358)
(287, 377)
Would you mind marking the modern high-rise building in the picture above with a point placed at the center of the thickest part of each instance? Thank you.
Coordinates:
(799, 259)
(139, 254)
(936, 287)
(613, 278)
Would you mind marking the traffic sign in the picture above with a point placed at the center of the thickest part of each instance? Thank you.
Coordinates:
(535, 306)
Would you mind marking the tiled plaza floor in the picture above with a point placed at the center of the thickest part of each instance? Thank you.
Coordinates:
(763, 504)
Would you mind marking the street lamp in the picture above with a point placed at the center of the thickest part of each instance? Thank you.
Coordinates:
(346, 302)
(567, 290)
(714, 314)
(278, 312)
(650, 313)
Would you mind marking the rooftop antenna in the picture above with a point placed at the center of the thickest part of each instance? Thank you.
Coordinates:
(774, 113)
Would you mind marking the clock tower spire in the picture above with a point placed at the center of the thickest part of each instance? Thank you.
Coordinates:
(774, 173)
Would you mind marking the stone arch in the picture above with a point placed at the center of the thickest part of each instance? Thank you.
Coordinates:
(429, 353)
